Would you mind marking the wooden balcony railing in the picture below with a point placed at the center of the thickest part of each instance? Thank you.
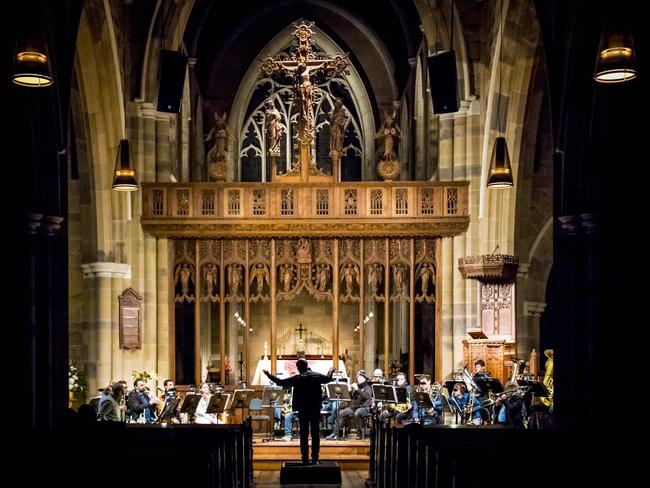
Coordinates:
(403, 208)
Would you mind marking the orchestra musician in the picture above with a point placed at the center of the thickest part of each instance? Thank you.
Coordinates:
(140, 404)
(511, 406)
(109, 411)
(399, 411)
(201, 416)
(361, 395)
(467, 404)
(169, 393)
(481, 376)
(429, 416)
(285, 412)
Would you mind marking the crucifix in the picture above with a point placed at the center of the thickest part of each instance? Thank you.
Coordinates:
(300, 350)
(300, 330)
(304, 68)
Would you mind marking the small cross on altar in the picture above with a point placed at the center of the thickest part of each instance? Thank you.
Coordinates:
(300, 330)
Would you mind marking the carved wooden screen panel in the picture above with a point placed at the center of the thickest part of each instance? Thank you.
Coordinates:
(130, 306)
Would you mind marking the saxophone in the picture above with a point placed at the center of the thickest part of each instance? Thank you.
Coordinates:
(548, 379)
(287, 406)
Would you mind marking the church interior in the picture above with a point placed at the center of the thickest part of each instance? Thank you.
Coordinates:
(207, 190)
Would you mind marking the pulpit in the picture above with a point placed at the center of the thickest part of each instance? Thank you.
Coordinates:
(494, 338)
(492, 351)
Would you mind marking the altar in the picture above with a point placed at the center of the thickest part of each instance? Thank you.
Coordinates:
(287, 368)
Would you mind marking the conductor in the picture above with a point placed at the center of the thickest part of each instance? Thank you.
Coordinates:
(307, 402)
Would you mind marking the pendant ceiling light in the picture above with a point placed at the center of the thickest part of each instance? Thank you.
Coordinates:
(616, 60)
(124, 176)
(500, 171)
(31, 64)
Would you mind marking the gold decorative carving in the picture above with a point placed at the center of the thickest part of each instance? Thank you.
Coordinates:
(389, 170)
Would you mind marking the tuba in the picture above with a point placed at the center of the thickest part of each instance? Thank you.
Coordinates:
(548, 379)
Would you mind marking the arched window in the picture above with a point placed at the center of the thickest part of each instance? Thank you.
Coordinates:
(254, 163)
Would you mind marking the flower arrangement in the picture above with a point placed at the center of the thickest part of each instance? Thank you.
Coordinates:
(76, 379)
(144, 375)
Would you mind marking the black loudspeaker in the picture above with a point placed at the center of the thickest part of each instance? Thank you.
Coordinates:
(443, 81)
(171, 77)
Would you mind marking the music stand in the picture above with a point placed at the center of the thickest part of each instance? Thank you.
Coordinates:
(402, 394)
(272, 396)
(384, 393)
(217, 403)
(422, 400)
(169, 410)
(338, 392)
(449, 384)
(190, 402)
(537, 388)
(240, 399)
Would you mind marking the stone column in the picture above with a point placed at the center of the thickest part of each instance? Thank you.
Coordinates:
(101, 323)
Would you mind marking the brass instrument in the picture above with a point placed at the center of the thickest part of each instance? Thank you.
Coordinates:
(548, 379)
(518, 367)
(287, 406)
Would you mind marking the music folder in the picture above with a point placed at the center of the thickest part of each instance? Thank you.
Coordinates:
(384, 393)
(217, 403)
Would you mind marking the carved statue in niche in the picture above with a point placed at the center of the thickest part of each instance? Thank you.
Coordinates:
(375, 277)
(323, 276)
(234, 278)
(287, 277)
(210, 278)
(426, 275)
(260, 274)
(349, 275)
(183, 274)
(399, 279)
(303, 251)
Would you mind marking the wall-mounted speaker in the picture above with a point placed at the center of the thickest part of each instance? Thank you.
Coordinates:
(171, 77)
(443, 81)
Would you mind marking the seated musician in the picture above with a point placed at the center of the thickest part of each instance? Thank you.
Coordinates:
(140, 404)
(511, 406)
(201, 416)
(399, 411)
(361, 401)
(468, 405)
(168, 394)
(285, 412)
(429, 416)
(109, 411)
